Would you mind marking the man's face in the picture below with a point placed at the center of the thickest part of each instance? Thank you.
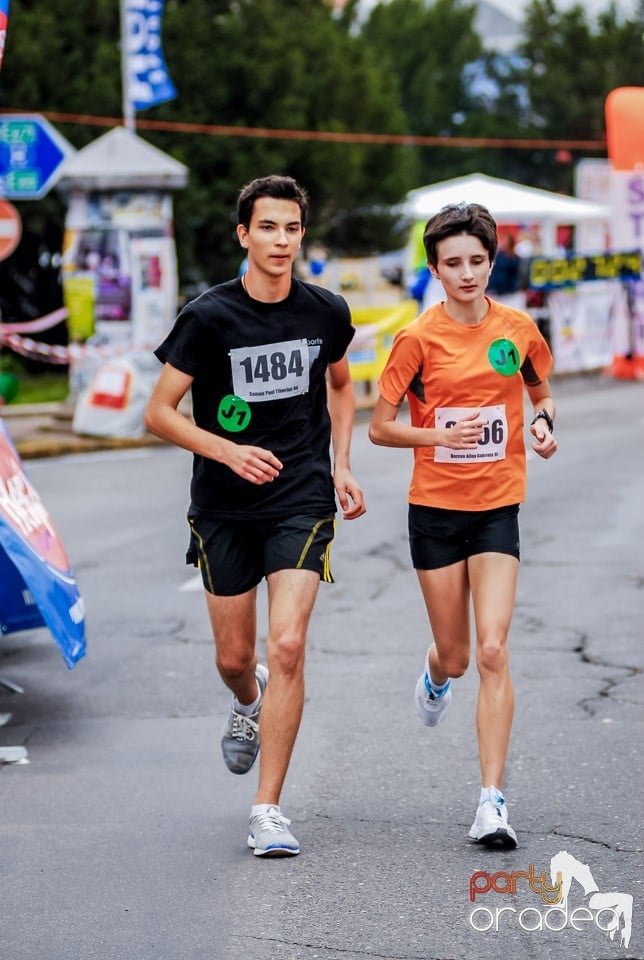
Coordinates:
(273, 237)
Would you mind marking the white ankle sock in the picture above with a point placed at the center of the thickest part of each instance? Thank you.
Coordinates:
(258, 808)
(489, 793)
(248, 709)
(436, 689)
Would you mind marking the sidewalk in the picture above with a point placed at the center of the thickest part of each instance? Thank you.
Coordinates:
(45, 430)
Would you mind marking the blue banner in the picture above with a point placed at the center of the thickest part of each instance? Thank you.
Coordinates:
(148, 79)
(37, 586)
(4, 16)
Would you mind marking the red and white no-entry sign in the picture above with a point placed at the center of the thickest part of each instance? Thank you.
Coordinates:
(10, 229)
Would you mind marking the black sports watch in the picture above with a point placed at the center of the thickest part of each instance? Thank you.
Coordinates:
(544, 415)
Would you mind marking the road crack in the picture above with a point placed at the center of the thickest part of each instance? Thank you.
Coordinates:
(609, 684)
(332, 952)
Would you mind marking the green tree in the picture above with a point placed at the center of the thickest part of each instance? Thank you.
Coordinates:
(427, 48)
(283, 67)
(55, 61)
(252, 63)
(62, 58)
(571, 63)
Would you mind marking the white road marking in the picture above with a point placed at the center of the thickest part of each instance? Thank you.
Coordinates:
(192, 585)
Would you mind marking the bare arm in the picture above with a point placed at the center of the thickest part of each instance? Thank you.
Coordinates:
(386, 431)
(163, 419)
(544, 443)
(342, 404)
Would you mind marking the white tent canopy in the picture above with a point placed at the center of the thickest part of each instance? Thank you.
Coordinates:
(120, 160)
(508, 202)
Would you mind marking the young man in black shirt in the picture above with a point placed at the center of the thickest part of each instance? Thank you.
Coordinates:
(265, 358)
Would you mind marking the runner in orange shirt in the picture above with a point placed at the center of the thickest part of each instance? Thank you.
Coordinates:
(463, 365)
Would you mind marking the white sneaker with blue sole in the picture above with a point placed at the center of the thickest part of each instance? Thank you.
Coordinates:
(269, 836)
(430, 707)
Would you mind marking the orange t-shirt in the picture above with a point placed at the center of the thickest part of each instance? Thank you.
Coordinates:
(447, 370)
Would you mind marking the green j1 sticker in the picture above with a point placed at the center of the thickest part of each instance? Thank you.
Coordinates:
(233, 413)
(504, 357)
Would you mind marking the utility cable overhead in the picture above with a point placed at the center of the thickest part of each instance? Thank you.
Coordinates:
(327, 136)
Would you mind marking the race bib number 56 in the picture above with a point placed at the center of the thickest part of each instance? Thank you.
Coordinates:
(492, 444)
(271, 371)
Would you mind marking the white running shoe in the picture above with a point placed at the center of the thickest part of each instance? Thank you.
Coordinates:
(430, 708)
(269, 835)
(491, 826)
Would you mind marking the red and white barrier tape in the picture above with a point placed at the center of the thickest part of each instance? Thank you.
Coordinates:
(10, 336)
(37, 326)
(57, 354)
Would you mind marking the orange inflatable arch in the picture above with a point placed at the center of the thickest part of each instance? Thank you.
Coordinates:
(624, 111)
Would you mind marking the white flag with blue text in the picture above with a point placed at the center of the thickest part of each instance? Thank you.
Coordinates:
(148, 79)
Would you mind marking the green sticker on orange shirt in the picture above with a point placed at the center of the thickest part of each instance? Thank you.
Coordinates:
(233, 413)
(504, 357)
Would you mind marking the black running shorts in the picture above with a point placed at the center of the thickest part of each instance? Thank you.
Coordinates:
(234, 555)
(438, 538)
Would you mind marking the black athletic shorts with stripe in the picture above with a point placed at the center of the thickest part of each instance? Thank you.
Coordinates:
(235, 555)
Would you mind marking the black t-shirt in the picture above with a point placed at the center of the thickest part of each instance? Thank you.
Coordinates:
(259, 378)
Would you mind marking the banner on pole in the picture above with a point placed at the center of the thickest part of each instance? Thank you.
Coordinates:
(37, 585)
(148, 80)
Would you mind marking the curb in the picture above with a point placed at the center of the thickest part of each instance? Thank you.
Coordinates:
(34, 448)
(50, 433)
(47, 440)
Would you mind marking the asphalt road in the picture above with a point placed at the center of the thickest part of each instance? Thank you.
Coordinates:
(124, 836)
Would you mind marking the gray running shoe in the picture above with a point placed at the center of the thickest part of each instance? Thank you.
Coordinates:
(269, 835)
(240, 737)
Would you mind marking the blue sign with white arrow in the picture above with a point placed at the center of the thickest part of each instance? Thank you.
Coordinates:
(32, 153)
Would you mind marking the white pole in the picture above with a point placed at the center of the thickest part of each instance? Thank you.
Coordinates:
(129, 116)
(549, 238)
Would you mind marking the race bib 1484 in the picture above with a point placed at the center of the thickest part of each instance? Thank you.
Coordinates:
(270, 371)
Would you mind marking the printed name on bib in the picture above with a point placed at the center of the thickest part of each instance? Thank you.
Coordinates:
(270, 371)
(492, 444)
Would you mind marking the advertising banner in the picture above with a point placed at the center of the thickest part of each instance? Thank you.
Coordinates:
(149, 82)
(582, 325)
(4, 15)
(627, 197)
(119, 267)
(37, 585)
(154, 289)
(552, 273)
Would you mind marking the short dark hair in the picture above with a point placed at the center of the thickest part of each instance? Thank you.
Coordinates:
(278, 187)
(470, 218)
